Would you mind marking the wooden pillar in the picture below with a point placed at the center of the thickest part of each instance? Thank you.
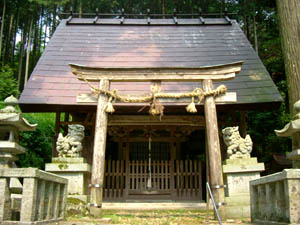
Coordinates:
(99, 152)
(243, 124)
(172, 162)
(57, 127)
(207, 170)
(213, 144)
(127, 179)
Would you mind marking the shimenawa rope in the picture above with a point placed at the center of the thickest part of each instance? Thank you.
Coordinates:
(155, 106)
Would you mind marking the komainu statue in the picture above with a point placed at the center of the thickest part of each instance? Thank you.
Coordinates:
(70, 145)
(237, 147)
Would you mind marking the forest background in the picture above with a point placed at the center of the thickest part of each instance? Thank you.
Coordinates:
(27, 26)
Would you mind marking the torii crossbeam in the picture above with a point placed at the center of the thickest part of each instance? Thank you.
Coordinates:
(206, 75)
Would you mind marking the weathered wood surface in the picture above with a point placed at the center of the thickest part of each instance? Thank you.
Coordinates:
(243, 124)
(228, 97)
(155, 139)
(213, 145)
(136, 74)
(136, 120)
(99, 152)
(176, 179)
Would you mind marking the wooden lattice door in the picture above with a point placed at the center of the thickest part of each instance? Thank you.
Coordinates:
(149, 176)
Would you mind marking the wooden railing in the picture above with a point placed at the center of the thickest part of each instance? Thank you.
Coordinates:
(275, 198)
(43, 197)
(179, 179)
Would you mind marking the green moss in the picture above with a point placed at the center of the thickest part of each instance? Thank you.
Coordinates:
(75, 201)
(63, 166)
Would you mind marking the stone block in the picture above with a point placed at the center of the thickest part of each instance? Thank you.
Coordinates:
(238, 183)
(237, 175)
(77, 171)
(12, 147)
(237, 212)
(68, 167)
(68, 160)
(5, 202)
(275, 199)
(241, 161)
(238, 200)
(294, 155)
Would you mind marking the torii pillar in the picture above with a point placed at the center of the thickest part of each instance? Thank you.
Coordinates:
(203, 74)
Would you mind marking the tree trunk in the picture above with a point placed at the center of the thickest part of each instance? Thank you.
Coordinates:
(80, 8)
(163, 11)
(8, 40)
(24, 35)
(289, 21)
(46, 29)
(2, 26)
(28, 52)
(54, 20)
(15, 31)
(35, 39)
(40, 32)
(255, 33)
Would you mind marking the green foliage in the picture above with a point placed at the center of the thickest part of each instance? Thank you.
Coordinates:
(8, 84)
(38, 143)
(50, 2)
(261, 126)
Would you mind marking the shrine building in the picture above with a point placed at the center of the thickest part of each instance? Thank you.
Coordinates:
(156, 65)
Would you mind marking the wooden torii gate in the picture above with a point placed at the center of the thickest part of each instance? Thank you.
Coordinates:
(206, 75)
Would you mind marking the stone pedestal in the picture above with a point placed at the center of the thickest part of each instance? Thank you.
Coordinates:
(77, 171)
(237, 175)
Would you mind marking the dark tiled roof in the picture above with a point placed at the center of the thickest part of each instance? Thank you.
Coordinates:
(52, 84)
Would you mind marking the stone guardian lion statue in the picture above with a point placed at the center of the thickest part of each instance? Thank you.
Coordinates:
(237, 147)
(70, 145)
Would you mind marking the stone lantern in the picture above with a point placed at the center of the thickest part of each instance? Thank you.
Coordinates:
(292, 129)
(11, 123)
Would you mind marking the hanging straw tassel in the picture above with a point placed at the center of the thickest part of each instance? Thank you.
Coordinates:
(109, 107)
(191, 108)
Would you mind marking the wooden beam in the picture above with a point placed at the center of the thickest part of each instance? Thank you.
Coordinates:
(213, 145)
(154, 139)
(228, 97)
(99, 153)
(141, 74)
(120, 120)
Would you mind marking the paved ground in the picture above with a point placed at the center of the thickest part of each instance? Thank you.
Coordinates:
(152, 217)
(163, 205)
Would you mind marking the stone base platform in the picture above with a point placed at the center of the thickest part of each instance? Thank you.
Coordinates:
(237, 175)
(77, 171)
